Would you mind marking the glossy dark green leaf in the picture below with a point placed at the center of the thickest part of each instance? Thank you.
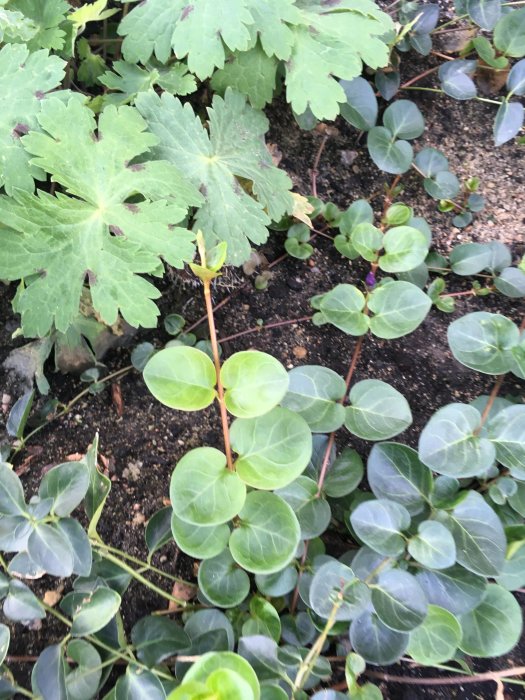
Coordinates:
(404, 120)
(387, 83)
(158, 530)
(95, 611)
(494, 627)
(137, 684)
(157, 638)
(83, 681)
(516, 78)
(21, 603)
(478, 534)
(379, 524)
(508, 122)
(455, 589)
(49, 674)
(388, 154)
(79, 543)
(361, 107)
(395, 472)
(344, 474)
(12, 500)
(485, 13)
(399, 601)
(222, 581)
(18, 415)
(375, 642)
(66, 484)
(50, 549)
(507, 432)
(433, 546)
(264, 620)
(455, 79)
(312, 511)
(509, 33)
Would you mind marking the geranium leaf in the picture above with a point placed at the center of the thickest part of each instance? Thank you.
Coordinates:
(234, 149)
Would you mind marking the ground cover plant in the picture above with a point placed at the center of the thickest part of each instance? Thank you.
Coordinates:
(133, 153)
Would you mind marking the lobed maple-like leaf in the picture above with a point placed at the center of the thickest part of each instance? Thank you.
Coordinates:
(25, 78)
(320, 41)
(46, 16)
(224, 163)
(116, 221)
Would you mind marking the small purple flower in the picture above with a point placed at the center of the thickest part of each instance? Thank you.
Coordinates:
(370, 280)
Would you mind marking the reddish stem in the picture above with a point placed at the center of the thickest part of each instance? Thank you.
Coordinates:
(314, 170)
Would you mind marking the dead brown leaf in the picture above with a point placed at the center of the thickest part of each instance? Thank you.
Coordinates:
(116, 397)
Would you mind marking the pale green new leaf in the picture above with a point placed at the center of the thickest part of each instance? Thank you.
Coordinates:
(25, 78)
(14, 27)
(216, 162)
(96, 233)
(377, 411)
(436, 640)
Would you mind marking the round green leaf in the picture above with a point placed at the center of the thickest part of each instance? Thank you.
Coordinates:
(379, 524)
(449, 444)
(312, 512)
(399, 600)
(395, 472)
(213, 661)
(405, 249)
(375, 642)
(479, 536)
(67, 485)
(267, 535)
(314, 392)
(455, 589)
(273, 449)
(94, 611)
(344, 474)
(5, 638)
(377, 411)
(431, 161)
(222, 582)
(21, 604)
(388, 154)
(12, 500)
(137, 684)
(511, 282)
(513, 572)
(156, 638)
(483, 341)
(343, 307)
(398, 308)
(83, 680)
(255, 382)
(278, 584)
(51, 550)
(507, 432)
(508, 122)
(367, 240)
(404, 119)
(329, 581)
(494, 627)
(470, 258)
(436, 640)
(360, 109)
(264, 620)
(509, 33)
(199, 541)
(203, 491)
(181, 377)
(443, 185)
(433, 546)
(49, 674)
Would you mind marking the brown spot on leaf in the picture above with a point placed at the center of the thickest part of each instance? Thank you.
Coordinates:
(330, 3)
(203, 190)
(20, 130)
(40, 95)
(116, 230)
(136, 167)
(186, 11)
(132, 207)
(92, 278)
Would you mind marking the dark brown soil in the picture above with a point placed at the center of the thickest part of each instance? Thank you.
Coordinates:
(143, 446)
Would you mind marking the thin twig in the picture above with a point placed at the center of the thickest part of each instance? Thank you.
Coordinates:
(265, 326)
(314, 170)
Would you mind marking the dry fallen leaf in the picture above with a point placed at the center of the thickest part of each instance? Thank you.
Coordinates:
(300, 352)
(116, 397)
(182, 591)
(51, 598)
(301, 209)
